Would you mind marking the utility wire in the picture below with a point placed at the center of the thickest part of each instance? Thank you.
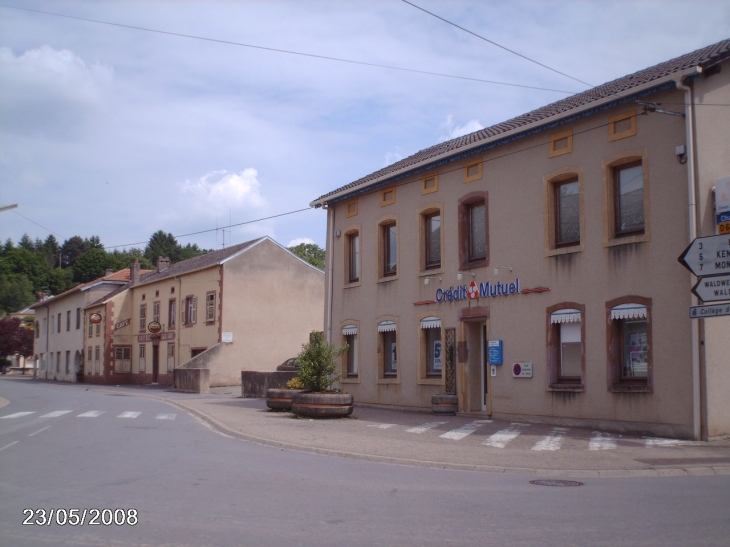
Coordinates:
(496, 44)
(34, 222)
(289, 52)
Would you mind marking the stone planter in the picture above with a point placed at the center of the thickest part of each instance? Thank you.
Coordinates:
(445, 403)
(322, 405)
(280, 399)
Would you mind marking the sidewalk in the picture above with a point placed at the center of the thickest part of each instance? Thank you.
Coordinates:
(417, 439)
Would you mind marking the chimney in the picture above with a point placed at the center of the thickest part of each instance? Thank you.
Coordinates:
(109, 271)
(134, 273)
(162, 263)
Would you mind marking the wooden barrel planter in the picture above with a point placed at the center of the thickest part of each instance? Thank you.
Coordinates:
(445, 403)
(280, 399)
(322, 405)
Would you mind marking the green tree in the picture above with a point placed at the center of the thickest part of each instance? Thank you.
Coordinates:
(71, 250)
(26, 243)
(60, 280)
(311, 252)
(92, 265)
(191, 251)
(162, 244)
(317, 363)
(15, 338)
(20, 261)
(16, 293)
(51, 250)
(93, 242)
(125, 259)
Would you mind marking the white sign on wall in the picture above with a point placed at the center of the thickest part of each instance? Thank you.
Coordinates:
(227, 337)
(522, 369)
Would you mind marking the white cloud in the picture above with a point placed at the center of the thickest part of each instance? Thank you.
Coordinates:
(50, 90)
(452, 132)
(220, 191)
(299, 241)
(393, 156)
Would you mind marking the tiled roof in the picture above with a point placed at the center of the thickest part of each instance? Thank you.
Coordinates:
(121, 276)
(703, 57)
(197, 263)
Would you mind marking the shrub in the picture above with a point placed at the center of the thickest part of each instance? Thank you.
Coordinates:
(317, 363)
(295, 383)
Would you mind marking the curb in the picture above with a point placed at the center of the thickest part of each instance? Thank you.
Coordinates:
(574, 473)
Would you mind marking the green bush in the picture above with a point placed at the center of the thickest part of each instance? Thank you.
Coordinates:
(317, 363)
(295, 383)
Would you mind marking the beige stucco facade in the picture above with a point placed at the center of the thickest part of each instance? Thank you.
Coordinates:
(250, 309)
(682, 388)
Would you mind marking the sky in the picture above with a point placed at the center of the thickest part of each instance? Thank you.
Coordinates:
(118, 132)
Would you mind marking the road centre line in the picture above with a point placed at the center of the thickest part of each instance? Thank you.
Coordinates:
(8, 445)
(36, 433)
(16, 415)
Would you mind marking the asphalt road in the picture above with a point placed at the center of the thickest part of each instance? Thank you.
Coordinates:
(191, 486)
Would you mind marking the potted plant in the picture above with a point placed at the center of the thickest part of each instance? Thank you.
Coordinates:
(279, 399)
(318, 371)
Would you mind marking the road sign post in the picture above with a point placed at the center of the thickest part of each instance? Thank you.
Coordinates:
(707, 256)
(713, 289)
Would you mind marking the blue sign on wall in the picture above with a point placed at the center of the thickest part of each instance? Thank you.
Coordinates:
(494, 352)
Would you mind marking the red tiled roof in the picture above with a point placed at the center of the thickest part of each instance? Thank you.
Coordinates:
(703, 57)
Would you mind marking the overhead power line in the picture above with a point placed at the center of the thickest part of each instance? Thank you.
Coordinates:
(289, 52)
(496, 44)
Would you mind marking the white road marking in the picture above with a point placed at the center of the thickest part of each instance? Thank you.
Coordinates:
(602, 441)
(464, 430)
(501, 438)
(36, 433)
(552, 441)
(165, 417)
(425, 427)
(91, 414)
(9, 445)
(129, 414)
(654, 441)
(381, 426)
(56, 413)
(16, 415)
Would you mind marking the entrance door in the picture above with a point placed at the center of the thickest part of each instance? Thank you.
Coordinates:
(155, 363)
(486, 376)
(476, 373)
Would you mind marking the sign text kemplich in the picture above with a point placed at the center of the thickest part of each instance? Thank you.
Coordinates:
(707, 256)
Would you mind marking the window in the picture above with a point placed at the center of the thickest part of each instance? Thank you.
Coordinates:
(565, 346)
(171, 313)
(561, 143)
(432, 240)
(91, 329)
(351, 208)
(389, 249)
(210, 307)
(142, 317)
(156, 311)
(142, 357)
(353, 257)
(123, 359)
(387, 197)
(97, 363)
(473, 233)
(566, 194)
(430, 185)
(58, 357)
(98, 329)
(349, 337)
(190, 311)
(68, 320)
(88, 357)
(37, 329)
(58, 317)
(622, 125)
(628, 195)
(629, 344)
(473, 171)
(431, 348)
(388, 349)
(78, 318)
(68, 361)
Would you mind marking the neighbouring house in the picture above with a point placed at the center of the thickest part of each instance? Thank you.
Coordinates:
(59, 327)
(246, 307)
(531, 267)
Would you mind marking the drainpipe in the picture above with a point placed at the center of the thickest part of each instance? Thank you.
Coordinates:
(330, 253)
(692, 193)
(48, 328)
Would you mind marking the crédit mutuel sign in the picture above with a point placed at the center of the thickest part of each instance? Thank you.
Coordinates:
(480, 290)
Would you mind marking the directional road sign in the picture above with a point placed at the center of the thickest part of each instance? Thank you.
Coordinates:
(713, 289)
(708, 256)
(713, 310)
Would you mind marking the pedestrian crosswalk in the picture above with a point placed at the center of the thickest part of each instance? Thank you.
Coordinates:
(130, 414)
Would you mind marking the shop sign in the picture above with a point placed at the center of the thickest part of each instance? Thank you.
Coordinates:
(154, 327)
(122, 324)
(722, 195)
(437, 355)
(477, 290)
(723, 223)
(162, 336)
(95, 318)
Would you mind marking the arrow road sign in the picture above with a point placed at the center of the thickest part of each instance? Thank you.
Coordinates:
(712, 289)
(707, 256)
(714, 310)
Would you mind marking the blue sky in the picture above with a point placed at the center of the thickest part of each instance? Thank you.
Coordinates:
(118, 132)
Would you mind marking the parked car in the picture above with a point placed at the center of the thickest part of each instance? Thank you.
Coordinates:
(290, 364)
